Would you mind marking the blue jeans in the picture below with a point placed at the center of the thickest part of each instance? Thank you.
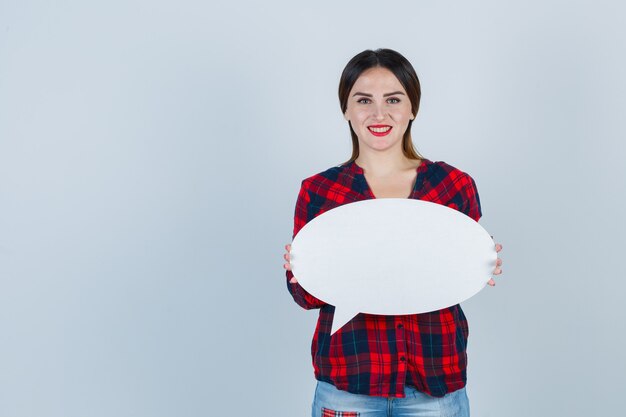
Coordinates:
(331, 402)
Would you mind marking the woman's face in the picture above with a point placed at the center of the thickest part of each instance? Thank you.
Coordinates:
(378, 109)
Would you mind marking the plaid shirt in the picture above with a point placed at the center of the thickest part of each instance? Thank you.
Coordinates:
(377, 354)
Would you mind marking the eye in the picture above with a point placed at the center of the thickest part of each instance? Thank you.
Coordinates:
(363, 100)
(393, 100)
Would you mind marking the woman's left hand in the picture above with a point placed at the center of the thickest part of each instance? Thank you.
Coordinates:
(497, 270)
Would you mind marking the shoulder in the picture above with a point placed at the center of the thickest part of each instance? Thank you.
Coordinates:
(456, 188)
(440, 171)
(329, 176)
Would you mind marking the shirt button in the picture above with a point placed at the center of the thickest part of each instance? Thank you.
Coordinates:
(400, 326)
(402, 358)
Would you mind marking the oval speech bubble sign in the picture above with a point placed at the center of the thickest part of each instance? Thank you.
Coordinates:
(392, 256)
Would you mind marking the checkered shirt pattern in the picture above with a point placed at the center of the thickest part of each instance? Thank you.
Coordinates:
(376, 354)
(326, 412)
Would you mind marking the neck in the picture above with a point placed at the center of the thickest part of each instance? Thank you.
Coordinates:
(383, 163)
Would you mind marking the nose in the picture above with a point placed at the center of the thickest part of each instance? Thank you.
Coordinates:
(379, 112)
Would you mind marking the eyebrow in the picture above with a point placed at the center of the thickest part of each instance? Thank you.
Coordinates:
(384, 95)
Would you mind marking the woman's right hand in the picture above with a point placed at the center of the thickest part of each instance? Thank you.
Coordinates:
(287, 265)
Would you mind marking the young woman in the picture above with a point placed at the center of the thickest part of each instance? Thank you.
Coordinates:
(410, 365)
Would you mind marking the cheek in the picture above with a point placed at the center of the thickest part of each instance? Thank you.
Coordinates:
(358, 117)
(362, 113)
(402, 115)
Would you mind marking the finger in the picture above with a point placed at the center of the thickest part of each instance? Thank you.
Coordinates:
(498, 262)
(288, 247)
(491, 282)
(293, 280)
(287, 266)
(497, 271)
(286, 256)
(498, 247)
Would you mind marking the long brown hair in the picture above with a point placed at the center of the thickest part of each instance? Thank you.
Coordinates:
(404, 72)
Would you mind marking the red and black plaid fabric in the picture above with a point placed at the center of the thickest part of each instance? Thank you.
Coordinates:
(376, 354)
(332, 413)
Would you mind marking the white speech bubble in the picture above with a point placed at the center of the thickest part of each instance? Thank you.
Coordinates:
(392, 256)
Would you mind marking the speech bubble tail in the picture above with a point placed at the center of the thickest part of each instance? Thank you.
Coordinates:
(341, 317)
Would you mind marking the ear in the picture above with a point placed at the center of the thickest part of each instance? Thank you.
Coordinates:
(346, 117)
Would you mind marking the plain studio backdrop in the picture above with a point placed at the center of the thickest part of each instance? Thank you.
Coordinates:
(151, 153)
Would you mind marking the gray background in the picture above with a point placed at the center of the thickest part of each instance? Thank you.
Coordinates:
(150, 157)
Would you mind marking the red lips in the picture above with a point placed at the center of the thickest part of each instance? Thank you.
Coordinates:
(381, 130)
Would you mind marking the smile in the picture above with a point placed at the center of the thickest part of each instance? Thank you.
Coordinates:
(379, 130)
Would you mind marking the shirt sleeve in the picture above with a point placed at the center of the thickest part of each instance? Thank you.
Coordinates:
(299, 294)
(471, 201)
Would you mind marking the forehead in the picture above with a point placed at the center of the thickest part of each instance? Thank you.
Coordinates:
(377, 78)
